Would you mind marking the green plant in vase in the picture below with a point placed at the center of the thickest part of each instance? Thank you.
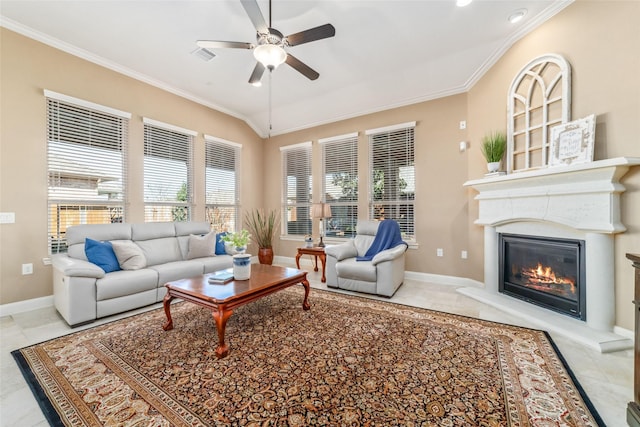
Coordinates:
(493, 147)
(239, 240)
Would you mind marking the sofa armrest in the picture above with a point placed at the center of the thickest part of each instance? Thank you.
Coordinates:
(76, 267)
(342, 251)
(389, 254)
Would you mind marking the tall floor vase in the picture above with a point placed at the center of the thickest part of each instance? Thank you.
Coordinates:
(265, 256)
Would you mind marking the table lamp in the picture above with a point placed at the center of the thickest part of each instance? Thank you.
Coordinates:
(321, 211)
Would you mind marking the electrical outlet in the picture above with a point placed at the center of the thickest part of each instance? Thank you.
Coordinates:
(27, 268)
(463, 254)
(46, 261)
(439, 252)
(463, 124)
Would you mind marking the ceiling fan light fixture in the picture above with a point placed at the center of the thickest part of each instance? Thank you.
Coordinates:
(463, 3)
(270, 55)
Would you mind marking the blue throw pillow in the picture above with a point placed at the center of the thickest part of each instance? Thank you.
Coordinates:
(220, 244)
(101, 254)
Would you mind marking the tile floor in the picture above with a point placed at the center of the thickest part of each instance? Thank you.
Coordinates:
(606, 378)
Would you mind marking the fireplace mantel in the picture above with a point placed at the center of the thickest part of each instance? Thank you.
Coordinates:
(583, 196)
(579, 201)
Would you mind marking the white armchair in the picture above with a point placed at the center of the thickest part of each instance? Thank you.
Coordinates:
(382, 275)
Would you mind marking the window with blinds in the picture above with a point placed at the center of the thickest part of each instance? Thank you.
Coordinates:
(86, 146)
(392, 176)
(296, 188)
(221, 183)
(340, 184)
(167, 172)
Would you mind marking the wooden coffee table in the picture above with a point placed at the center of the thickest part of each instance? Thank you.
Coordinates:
(223, 299)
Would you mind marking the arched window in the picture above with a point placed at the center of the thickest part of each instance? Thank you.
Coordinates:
(539, 98)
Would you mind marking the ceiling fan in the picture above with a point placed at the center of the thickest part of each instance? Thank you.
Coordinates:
(269, 49)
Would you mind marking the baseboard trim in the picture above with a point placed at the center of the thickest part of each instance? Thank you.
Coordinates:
(26, 305)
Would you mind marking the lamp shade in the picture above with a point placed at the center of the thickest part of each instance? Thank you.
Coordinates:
(270, 55)
(320, 210)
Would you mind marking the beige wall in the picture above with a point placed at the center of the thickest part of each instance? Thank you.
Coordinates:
(600, 39)
(441, 202)
(29, 67)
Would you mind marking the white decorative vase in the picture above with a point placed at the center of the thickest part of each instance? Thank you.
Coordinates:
(241, 266)
(493, 167)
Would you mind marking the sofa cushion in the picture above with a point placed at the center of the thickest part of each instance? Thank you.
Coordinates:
(202, 246)
(191, 227)
(76, 235)
(130, 256)
(219, 262)
(171, 271)
(220, 247)
(122, 283)
(152, 230)
(356, 270)
(160, 251)
(101, 254)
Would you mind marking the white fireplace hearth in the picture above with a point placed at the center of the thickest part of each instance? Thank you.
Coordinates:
(580, 202)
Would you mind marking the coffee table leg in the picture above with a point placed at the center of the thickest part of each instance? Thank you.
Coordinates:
(220, 316)
(166, 302)
(305, 303)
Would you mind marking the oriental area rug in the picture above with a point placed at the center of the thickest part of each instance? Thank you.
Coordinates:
(349, 361)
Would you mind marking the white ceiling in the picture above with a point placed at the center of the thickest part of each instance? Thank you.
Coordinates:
(386, 53)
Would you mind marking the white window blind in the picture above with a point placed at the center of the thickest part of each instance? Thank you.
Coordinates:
(340, 184)
(221, 184)
(167, 172)
(392, 176)
(296, 188)
(87, 179)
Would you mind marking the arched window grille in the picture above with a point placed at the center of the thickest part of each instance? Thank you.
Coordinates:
(539, 98)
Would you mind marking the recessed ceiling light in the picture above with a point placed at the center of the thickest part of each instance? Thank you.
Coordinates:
(463, 3)
(517, 15)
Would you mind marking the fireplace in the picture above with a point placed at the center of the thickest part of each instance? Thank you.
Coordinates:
(546, 271)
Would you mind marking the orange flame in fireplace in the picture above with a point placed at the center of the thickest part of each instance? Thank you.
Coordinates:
(545, 276)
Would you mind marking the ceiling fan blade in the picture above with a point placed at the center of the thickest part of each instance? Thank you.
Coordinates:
(258, 71)
(216, 44)
(301, 67)
(255, 14)
(312, 34)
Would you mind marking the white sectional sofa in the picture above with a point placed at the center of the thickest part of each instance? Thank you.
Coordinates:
(83, 291)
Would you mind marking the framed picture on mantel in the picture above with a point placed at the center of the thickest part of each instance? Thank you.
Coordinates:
(572, 142)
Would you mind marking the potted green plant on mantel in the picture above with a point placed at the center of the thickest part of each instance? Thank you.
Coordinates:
(493, 148)
(263, 226)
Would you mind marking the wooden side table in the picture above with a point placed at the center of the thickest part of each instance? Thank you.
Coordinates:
(317, 252)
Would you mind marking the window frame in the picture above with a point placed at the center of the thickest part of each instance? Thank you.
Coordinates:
(69, 122)
(211, 142)
(170, 209)
(346, 145)
(407, 227)
(303, 209)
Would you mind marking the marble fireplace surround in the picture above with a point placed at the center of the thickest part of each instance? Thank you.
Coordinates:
(576, 202)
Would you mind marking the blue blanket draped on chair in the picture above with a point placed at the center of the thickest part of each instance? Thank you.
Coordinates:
(387, 237)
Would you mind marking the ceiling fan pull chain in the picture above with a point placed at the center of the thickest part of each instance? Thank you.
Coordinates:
(270, 127)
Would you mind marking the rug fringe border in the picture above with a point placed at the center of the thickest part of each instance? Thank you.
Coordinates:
(47, 408)
(576, 383)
